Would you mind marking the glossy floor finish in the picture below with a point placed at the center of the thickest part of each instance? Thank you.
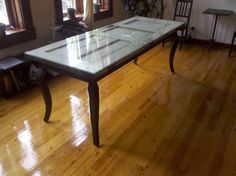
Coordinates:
(152, 122)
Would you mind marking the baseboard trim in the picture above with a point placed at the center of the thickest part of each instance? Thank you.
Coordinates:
(201, 41)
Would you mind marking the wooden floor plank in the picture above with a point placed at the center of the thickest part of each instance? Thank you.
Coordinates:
(152, 122)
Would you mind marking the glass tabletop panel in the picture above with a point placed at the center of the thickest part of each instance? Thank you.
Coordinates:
(125, 33)
(98, 49)
(142, 25)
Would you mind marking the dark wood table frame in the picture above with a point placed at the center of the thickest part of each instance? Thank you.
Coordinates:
(92, 80)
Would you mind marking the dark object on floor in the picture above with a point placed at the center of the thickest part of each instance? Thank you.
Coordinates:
(232, 44)
(13, 76)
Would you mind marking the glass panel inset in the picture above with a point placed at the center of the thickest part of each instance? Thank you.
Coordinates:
(142, 25)
(98, 50)
(126, 33)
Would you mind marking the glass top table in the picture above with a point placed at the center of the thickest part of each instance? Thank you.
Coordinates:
(93, 55)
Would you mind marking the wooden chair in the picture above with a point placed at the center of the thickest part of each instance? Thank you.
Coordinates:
(182, 12)
(232, 44)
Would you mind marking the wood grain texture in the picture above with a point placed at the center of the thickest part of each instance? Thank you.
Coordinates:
(152, 122)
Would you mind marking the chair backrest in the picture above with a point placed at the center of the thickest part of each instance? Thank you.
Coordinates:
(183, 9)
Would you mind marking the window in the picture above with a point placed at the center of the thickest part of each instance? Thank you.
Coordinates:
(16, 15)
(75, 4)
(105, 9)
(101, 11)
(104, 4)
(3, 13)
(68, 4)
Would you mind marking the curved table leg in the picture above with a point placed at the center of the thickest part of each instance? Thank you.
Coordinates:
(93, 91)
(46, 96)
(136, 60)
(172, 53)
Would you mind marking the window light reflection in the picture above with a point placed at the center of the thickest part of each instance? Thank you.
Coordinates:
(37, 173)
(73, 50)
(1, 170)
(87, 43)
(78, 125)
(29, 157)
(11, 156)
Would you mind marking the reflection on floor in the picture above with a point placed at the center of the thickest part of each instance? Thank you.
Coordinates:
(151, 121)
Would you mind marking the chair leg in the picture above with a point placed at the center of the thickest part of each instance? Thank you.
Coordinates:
(232, 44)
(181, 39)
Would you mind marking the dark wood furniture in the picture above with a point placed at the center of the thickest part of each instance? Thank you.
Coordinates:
(232, 44)
(94, 55)
(13, 76)
(216, 13)
(183, 9)
(73, 27)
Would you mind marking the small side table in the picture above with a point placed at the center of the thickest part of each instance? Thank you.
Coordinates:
(216, 13)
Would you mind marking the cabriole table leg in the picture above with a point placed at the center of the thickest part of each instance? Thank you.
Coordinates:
(93, 91)
(46, 95)
(172, 53)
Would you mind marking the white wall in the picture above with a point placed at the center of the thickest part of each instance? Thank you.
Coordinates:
(202, 23)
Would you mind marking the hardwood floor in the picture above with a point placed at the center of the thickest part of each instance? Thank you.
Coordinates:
(152, 122)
